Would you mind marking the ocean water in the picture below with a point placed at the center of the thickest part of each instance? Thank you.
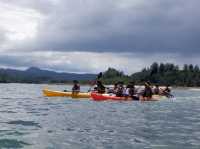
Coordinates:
(29, 120)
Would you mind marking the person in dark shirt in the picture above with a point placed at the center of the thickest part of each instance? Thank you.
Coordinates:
(156, 90)
(147, 94)
(76, 86)
(120, 89)
(131, 91)
(167, 89)
(167, 92)
(100, 87)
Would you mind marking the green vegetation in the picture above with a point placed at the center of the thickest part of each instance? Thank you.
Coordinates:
(112, 76)
(162, 74)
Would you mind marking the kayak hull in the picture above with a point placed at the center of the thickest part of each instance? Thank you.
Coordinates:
(52, 93)
(154, 98)
(103, 97)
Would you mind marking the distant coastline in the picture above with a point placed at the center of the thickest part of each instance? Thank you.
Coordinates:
(161, 74)
(40, 76)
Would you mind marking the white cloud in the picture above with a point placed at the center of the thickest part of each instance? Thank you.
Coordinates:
(84, 62)
(19, 24)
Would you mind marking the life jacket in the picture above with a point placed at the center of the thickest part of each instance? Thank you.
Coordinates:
(156, 91)
(147, 92)
(131, 91)
(119, 91)
(101, 89)
(76, 87)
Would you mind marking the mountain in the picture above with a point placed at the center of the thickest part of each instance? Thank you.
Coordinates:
(37, 75)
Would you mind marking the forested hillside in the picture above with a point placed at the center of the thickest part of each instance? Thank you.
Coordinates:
(162, 74)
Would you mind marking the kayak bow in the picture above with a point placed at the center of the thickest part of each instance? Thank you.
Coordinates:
(52, 93)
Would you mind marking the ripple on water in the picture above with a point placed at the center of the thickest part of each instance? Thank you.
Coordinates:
(12, 143)
(12, 133)
(87, 124)
(24, 123)
(7, 111)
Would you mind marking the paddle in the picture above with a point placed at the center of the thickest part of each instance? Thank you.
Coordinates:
(97, 78)
(167, 94)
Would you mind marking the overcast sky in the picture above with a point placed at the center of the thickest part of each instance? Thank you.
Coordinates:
(92, 35)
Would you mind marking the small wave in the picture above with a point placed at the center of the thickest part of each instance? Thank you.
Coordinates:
(194, 89)
(12, 133)
(24, 123)
(33, 112)
(12, 143)
(15, 133)
(7, 111)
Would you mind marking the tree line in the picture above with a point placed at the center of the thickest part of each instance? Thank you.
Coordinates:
(161, 74)
(157, 73)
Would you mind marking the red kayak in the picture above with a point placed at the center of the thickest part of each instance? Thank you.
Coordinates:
(101, 97)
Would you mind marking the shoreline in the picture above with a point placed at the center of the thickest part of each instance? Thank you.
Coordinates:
(108, 85)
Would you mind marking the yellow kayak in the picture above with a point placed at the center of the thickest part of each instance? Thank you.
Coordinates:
(51, 93)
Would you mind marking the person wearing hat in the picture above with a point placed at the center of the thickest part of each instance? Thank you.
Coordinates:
(76, 86)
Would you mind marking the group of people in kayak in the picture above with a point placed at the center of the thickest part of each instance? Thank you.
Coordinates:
(130, 90)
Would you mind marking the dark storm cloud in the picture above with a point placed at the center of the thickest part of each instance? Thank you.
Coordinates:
(116, 25)
(15, 61)
(156, 26)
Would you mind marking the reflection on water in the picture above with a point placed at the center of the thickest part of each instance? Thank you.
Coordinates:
(29, 120)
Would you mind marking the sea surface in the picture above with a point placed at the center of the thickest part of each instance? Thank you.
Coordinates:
(30, 120)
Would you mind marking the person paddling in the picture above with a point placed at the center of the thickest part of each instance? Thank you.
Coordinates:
(100, 87)
(167, 89)
(99, 76)
(113, 89)
(167, 92)
(156, 90)
(131, 91)
(76, 87)
(147, 94)
(120, 89)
